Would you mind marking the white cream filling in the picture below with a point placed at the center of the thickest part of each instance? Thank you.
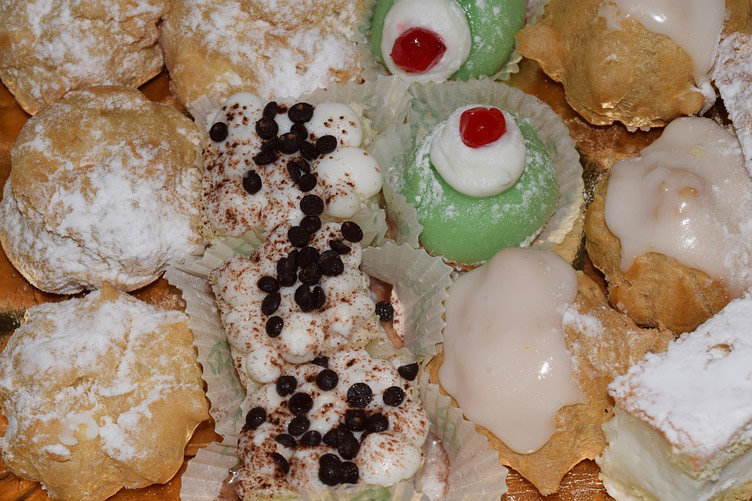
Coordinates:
(478, 172)
(445, 18)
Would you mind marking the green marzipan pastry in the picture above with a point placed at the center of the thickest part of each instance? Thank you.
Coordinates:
(493, 24)
(469, 230)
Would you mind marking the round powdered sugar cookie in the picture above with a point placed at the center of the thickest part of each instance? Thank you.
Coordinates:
(104, 189)
(49, 47)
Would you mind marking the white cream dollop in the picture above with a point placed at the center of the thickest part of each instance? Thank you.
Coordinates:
(505, 359)
(478, 172)
(338, 120)
(445, 18)
(353, 167)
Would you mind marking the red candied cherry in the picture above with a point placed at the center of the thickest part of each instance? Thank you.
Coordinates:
(417, 50)
(481, 126)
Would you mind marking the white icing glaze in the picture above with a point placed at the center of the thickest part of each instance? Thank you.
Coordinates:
(443, 17)
(683, 198)
(478, 172)
(694, 25)
(505, 360)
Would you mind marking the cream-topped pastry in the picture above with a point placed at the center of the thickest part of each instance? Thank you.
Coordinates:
(299, 294)
(341, 419)
(683, 422)
(683, 197)
(263, 158)
(505, 358)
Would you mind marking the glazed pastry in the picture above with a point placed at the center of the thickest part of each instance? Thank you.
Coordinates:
(340, 420)
(618, 64)
(299, 294)
(435, 40)
(103, 189)
(529, 349)
(100, 393)
(271, 48)
(480, 181)
(659, 225)
(48, 48)
(686, 415)
(263, 158)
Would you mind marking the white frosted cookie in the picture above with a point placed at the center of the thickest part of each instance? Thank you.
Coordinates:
(269, 47)
(104, 189)
(49, 47)
(100, 393)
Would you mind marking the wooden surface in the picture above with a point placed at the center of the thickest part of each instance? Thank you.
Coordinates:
(599, 146)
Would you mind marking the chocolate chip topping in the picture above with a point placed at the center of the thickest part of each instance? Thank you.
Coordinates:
(310, 275)
(359, 395)
(339, 246)
(298, 425)
(385, 311)
(293, 169)
(394, 395)
(308, 256)
(251, 182)
(309, 151)
(351, 231)
(218, 132)
(270, 303)
(321, 361)
(300, 404)
(326, 144)
(265, 157)
(355, 419)
(311, 438)
(312, 205)
(331, 264)
(286, 385)
(268, 284)
(311, 224)
(289, 143)
(350, 473)
(274, 326)
(298, 236)
(255, 418)
(330, 470)
(307, 182)
(408, 371)
(287, 278)
(331, 438)
(377, 423)
(300, 132)
(327, 380)
(304, 298)
(348, 446)
(319, 297)
(286, 440)
(281, 462)
(300, 112)
(267, 128)
(270, 110)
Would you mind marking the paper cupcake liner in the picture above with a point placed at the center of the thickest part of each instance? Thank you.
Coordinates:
(475, 472)
(420, 283)
(433, 103)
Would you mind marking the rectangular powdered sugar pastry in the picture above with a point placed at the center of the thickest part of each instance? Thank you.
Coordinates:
(682, 427)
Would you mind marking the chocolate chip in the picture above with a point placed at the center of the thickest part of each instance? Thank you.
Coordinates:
(287, 278)
(408, 371)
(312, 205)
(308, 256)
(355, 419)
(331, 438)
(294, 170)
(251, 182)
(286, 385)
(394, 395)
(268, 284)
(377, 423)
(319, 297)
(351, 231)
(300, 112)
(326, 144)
(327, 379)
(308, 150)
(270, 145)
(255, 418)
(310, 275)
(330, 470)
(298, 236)
(311, 224)
(281, 462)
(270, 110)
(350, 473)
(321, 361)
(307, 182)
(331, 265)
(270, 303)
(385, 311)
(300, 132)
(274, 326)
(304, 299)
(287, 264)
(303, 165)
(286, 440)
(339, 246)
(359, 395)
(265, 157)
(311, 438)
(289, 143)
(300, 404)
(218, 132)
(298, 425)
(267, 128)
(348, 445)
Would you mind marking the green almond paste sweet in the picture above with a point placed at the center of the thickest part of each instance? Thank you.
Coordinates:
(480, 181)
(436, 40)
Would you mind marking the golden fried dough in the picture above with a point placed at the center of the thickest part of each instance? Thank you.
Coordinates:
(48, 48)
